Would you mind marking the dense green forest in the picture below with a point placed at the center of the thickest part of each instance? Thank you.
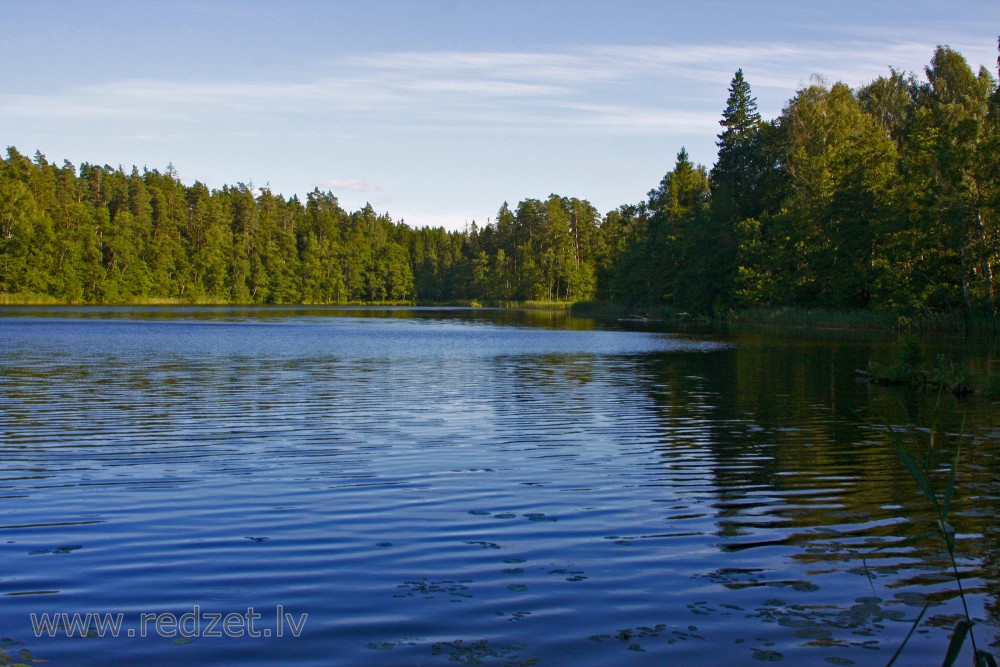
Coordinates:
(885, 197)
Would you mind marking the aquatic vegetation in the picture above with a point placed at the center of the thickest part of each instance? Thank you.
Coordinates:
(940, 502)
(475, 653)
(483, 544)
(911, 368)
(455, 590)
(64, 549)
(12, 655)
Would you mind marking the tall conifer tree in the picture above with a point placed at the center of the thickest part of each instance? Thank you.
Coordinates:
(741, 124)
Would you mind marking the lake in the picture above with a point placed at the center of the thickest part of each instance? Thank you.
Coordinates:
(338, 486)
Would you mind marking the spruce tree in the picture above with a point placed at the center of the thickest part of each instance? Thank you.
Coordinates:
(741, 124)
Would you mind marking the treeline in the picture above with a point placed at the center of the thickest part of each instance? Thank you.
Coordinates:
(885, 197)
(101, 235)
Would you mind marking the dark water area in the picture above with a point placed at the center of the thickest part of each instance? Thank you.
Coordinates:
(413, 486)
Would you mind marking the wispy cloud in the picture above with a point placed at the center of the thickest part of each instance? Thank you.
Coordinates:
(532, 66)
(612, 89)
(352, 185)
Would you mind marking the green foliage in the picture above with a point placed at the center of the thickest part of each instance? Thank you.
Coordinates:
(912, 369)
(884, 199)
(102, 235)
(992, 388)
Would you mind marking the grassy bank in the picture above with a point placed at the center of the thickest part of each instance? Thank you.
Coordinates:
(866, 319)
(21, 299)
(536, 305)
(27, 300)
(783, 317)
(607, 310)
(800, 317)
(821, 318)
(45, 300)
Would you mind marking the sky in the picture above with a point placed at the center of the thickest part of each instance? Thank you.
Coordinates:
(437, 111)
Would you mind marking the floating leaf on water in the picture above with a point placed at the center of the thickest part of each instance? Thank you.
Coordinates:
(479, 513)
(484, 545)
(838, 661)
(474, 653)
(869, 600)
(427, 588)
(535, 516)
(864, 610)
(916, 599)
(764, 655)
(180, 641)
(505, 515)
(701, 609)
(513, 570)
(388, 646)
(517, 588)
(514, 560)
(637, 648)
(57, 550)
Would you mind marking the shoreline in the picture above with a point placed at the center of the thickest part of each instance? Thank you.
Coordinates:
(785, 316)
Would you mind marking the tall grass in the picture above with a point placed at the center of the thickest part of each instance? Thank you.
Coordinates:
(978, 325)
(23, 299)
(814, 317)
(538, 305)
(940, 503)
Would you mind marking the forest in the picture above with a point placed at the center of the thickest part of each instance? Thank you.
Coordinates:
(884, 197)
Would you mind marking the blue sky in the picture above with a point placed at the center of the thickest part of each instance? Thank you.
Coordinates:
(436, 111)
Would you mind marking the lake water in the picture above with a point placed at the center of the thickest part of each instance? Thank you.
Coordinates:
(435, 487)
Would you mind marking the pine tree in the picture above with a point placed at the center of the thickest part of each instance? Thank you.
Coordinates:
(741, 124)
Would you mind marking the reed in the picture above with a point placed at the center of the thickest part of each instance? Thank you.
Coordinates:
(940, 502)
(24, 299)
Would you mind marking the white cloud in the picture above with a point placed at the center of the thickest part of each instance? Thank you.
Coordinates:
(608, 89)
(484, 88)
